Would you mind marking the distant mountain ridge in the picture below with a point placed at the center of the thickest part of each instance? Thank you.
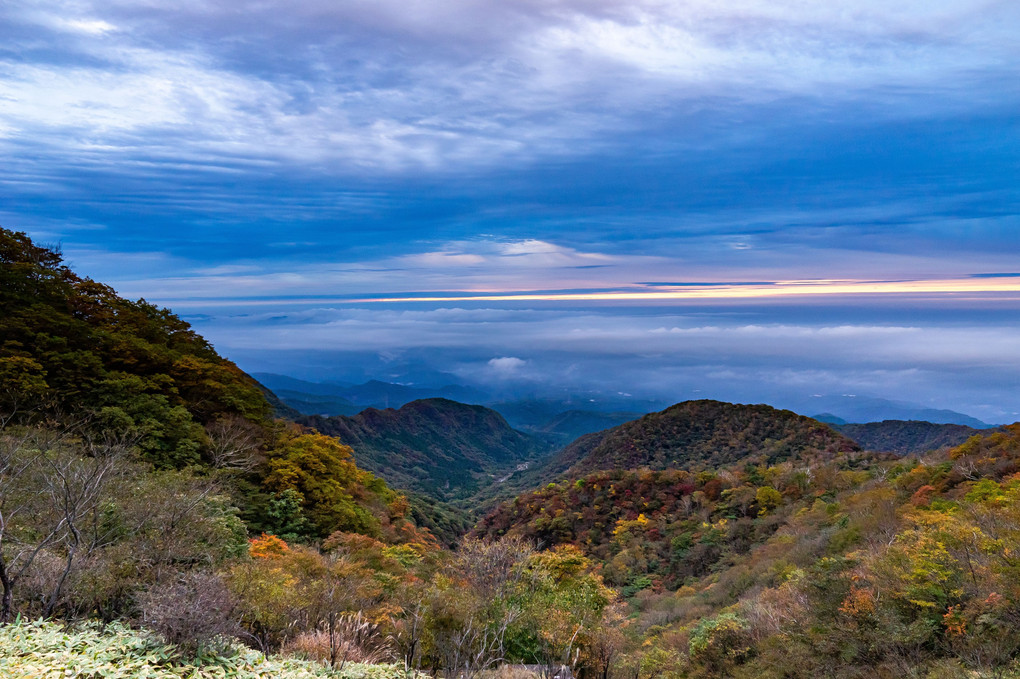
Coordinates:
(342, 398)
(849, 408)
(907, 436)
(573, 424)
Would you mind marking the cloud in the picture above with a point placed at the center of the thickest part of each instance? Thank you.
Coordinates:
(373, 86)
(741, 138)
(496, 254)
(659, 353)
(479, 264)
(506, 366)
(501, 270)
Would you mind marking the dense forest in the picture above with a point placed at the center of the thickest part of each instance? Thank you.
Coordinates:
(446, 456)
(701, 433)
(906, 436)
(437, 446)
(154, 515)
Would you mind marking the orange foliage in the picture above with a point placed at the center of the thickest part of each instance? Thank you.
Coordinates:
(267, 547)
(922, 496)
(955, 623)
(858, 602)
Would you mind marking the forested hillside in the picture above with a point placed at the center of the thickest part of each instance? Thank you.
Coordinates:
(132, 455)
(906, 436)
(696, 434)
(437, 446)
(70, 346)
(444, 454)
(852, 564)
(658, 529)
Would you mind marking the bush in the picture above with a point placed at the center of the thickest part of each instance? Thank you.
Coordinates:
(194, 612)
(720, 642)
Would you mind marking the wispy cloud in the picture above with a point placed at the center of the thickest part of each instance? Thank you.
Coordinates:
(376, 85)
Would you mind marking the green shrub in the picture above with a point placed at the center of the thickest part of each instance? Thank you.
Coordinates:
(44, 649)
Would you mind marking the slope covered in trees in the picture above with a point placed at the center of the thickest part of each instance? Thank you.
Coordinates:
(906, 436)
(903, 567)
(435, 446)
(847, 565)
(130, 452)
(654, 474)
(696, 434)
(660, 528)
(72, 346)
(128, 376)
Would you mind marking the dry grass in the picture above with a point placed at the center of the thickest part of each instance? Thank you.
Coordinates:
(354, 640)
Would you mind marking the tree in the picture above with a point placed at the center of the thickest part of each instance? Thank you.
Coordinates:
(193, 611)
(335, 494)
(475, 603)
(50, 490)
(84, 526)
(566, 604)
(234, 443)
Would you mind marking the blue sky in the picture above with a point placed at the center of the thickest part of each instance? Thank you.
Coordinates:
(273, 170)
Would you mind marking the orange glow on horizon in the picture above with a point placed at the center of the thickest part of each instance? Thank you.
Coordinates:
(791, 288)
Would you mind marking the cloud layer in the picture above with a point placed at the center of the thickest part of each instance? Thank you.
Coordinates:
(233, 159)
(750, 353)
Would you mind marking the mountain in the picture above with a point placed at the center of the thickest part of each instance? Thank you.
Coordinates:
(693, 435)
(302, 403)
(851, 408)
(907, 436)
(823, 566)
(435, 446)
(573, 424)
(75, 354)
(280, 383)
(701, 434)
(644, 469)
(129, 447)
(280, 409)
(341, 398)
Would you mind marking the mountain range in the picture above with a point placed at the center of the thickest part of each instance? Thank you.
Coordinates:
(562, 417)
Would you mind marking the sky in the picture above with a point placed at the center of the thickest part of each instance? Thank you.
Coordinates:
(756, 200)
